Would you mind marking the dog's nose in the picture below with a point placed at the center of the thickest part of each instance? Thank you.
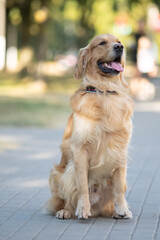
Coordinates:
(118, 47)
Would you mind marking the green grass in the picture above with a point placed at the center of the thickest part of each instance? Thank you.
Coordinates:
(31, 112)
(66, 84)
(21, 104)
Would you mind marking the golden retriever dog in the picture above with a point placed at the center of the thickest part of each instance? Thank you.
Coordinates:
(90, 179)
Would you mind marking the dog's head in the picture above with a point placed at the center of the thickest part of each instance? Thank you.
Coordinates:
(104, 55)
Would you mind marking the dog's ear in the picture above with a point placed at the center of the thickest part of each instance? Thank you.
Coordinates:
(82, 62)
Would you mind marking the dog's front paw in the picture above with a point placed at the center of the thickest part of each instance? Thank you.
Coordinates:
(83, 210)
(122, 212)
(83, 213)
(63, 214)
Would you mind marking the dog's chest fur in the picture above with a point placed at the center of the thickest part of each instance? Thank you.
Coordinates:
(102, 127)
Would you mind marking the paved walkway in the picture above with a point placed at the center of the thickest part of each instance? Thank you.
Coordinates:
(26, 157)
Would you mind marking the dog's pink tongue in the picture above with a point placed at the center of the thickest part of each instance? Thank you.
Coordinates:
(117, 66)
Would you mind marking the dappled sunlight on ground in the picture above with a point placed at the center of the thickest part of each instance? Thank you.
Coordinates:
(40, 156)
(33, 183)
(8, 143)
(24, 154)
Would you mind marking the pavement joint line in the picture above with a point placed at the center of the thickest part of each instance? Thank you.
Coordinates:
(19, 227)
(129, 192)
(142, 168)
(3, 204)
(144, 200)
(137, 176)
(110, 230)
(86, 231)
(1, 223)
(157, 225)
(64, 229)
(42, 228)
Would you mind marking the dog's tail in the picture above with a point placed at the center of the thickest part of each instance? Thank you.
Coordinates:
(53, 205)
(48, 208)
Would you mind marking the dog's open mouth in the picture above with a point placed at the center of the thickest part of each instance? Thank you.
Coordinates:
(110, 67)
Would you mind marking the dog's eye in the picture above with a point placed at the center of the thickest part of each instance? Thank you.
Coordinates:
(102, 43)
(119, 42)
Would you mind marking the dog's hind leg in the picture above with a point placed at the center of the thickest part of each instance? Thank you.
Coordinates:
(54, 204)
(58, 204)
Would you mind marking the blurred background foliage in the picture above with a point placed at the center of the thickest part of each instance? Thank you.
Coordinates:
(51, 27)
(42, 39)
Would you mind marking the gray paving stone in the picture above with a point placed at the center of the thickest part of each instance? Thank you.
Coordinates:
(24, 189)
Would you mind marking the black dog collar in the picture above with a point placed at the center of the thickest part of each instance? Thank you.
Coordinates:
(95, 90)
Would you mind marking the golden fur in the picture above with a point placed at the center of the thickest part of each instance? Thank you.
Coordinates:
(91, 177)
